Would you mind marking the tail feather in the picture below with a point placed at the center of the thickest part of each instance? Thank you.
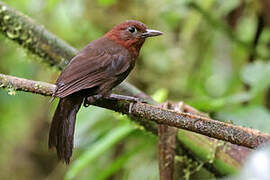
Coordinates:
(62, 127)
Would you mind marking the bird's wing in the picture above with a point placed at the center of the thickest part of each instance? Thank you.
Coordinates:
(92, 68)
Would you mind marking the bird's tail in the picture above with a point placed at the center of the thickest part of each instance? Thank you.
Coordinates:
(62, 127)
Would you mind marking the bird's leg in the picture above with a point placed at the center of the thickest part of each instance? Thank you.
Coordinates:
(91, 99)
(86, 102)
(126, 98)
(130, 107)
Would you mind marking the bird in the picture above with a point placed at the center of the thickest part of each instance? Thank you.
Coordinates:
(94, 72)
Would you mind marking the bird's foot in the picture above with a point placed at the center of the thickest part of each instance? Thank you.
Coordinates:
(126, 98)
(131, 99)
(90, 100)
(86, 102)
(130, 107)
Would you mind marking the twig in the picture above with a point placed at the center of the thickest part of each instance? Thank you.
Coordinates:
(213, 152)
(265, 4)
(259, 30)
(166, 147)
(252, 54)
(235, 14)
(26, 85)
(224, 131)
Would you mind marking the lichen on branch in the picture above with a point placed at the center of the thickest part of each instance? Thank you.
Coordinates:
(224, 131)
(36, 39)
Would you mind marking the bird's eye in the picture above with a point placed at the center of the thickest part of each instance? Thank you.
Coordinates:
(132, 29)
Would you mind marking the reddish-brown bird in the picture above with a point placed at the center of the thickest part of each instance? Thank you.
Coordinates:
(95, 70)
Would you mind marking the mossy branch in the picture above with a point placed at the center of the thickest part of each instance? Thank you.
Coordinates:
(224, 131)
(33, 37)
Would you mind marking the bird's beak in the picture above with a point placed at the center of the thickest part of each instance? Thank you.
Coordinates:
(151, 33)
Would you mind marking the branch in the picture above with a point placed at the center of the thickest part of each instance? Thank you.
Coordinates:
(26, 85)
(35, 38)
(224, 131)
(265, 4)
(166, 147)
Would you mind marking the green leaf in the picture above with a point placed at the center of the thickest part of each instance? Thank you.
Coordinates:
(98, 149)
(51, 4)
(209, 104)
(107, 2)
(257, 75)
(160, 95)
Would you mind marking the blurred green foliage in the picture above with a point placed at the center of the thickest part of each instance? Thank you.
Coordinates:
(200, 60)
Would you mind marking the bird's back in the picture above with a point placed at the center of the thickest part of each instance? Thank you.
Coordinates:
(97, 68)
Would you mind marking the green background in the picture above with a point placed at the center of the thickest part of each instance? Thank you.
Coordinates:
(202, 59)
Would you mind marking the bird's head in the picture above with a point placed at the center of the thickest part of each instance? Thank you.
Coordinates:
(131, 34)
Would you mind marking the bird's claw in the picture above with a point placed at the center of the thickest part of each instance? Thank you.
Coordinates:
(140, 100)
(126, 98)
(90, 100)
(86, 102)
(133, 101)
(130, 107)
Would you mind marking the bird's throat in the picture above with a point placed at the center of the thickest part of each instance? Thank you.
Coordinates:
(132, 45)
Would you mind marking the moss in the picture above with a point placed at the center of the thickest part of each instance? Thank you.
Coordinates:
(12, 34)
(11, 91)
(204, 151)
(188, 166)
(38, 86)
(6, 18)
(24, 36)
(225, 168)
(21, 29)
(3, 8)
(4, 82)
